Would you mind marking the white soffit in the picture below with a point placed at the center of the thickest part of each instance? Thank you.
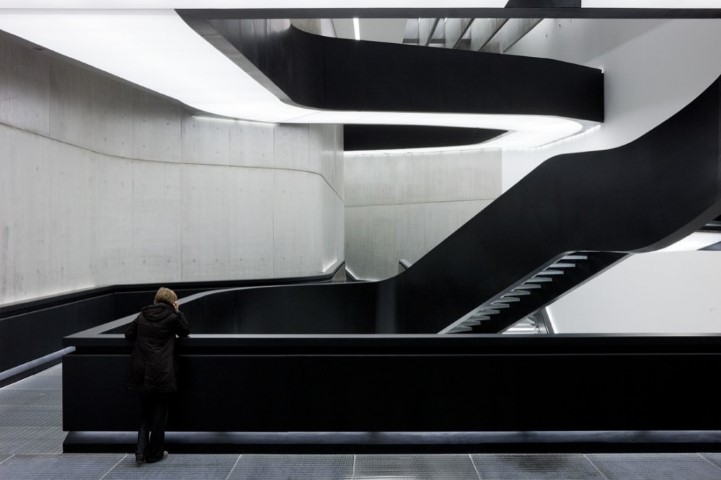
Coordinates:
(157, 50)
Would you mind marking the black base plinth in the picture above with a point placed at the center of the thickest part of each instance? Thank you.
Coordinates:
(404, 442)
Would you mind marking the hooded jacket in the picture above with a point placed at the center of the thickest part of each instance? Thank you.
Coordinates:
(152, 364)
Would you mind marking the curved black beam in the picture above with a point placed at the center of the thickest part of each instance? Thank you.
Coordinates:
(388, 137)
(340, 74)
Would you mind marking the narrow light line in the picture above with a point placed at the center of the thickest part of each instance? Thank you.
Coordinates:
(113, 467)
(709, 461)
(594, 466)
(474, 467)
(356, 28)
(234, 465)
(364, 205)
(11, 456)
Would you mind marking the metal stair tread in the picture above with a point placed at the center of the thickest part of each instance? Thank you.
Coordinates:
(515, 293)
(539, 280)
(575, 257)
(550, 272)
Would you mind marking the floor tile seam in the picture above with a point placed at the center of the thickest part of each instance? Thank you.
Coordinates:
(709, 461)
(352, 476)
(233, 468)
(474, 467)
(22, 443)
(595, 466)
(113, 467)
(11, 456)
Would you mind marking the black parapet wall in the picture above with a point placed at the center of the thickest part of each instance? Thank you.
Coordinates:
(35, 328)
(381, 137)
(376, 383)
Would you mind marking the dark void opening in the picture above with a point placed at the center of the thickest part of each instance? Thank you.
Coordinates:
(390, 137)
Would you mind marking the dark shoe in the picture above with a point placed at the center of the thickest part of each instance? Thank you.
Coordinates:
(157, 458)
(139, 458)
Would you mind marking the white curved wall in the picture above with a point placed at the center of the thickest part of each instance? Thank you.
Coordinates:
(653, 68)
(673, 292)
(102, 183)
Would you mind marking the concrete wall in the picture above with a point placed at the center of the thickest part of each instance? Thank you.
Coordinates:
(399, 206)
(653, 68)
(102, 183)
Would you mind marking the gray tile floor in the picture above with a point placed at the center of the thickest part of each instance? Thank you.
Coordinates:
(31, 439)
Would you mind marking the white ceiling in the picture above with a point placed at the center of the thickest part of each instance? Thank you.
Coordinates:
(388, 30)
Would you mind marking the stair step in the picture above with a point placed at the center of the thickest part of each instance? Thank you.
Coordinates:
(499, 305)
(480, 318)
(563, 265)
(489, 311)
(460, 329)
(526, 288)
(520, 332)
(509, 299)
(575, 257)
(527, 321)
(518, 293)
(470, 323)
(550, 272)
(523, 327)
(539, 280)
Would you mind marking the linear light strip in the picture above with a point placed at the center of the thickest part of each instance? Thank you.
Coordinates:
(245, 4)
(157, 50)
(329, 4)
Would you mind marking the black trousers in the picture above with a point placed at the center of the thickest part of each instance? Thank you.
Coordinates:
(154, 417)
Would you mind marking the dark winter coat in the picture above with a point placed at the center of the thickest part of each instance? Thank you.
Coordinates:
(152, 364)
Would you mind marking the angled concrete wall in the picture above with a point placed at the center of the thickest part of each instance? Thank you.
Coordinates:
(102, 183)
(399, 206)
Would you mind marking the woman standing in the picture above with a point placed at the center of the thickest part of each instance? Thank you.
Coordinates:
(152, 369)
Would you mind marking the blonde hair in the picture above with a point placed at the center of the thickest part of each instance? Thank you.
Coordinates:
(165, 295)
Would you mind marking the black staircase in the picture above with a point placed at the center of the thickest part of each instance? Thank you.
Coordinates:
(535, 292)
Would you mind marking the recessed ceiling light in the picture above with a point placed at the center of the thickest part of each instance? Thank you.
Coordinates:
(356, 28)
